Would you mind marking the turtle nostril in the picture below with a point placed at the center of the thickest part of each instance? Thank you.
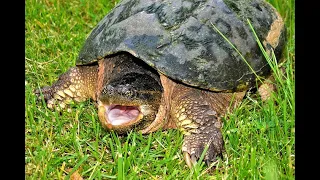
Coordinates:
(125, 90)
(122, 90)
(127, 93)
(108, 90)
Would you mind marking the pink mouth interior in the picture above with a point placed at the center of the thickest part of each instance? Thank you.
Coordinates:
(118, 115)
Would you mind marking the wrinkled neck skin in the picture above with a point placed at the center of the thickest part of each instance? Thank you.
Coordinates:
(129, 93)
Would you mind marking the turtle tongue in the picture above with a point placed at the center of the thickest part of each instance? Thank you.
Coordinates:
(118, 115)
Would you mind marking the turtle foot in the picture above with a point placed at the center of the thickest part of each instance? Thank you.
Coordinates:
(67, 89)
(195, 144)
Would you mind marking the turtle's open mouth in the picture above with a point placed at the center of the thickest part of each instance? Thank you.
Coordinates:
(126, 115)
(121, 115)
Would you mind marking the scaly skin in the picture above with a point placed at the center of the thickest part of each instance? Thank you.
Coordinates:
(197, 114)
(193, 111)
(77, 84)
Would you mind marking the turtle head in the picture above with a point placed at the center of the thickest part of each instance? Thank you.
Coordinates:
(130, 94)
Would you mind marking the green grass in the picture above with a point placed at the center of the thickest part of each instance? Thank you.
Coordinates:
(259, 136)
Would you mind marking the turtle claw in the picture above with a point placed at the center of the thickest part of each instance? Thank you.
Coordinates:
(52, 99)
(190, 161)
(208, 163)
(51, 103)
(187, 159)
(43, 91)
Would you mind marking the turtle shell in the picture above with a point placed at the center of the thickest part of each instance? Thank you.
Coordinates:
(186, 40)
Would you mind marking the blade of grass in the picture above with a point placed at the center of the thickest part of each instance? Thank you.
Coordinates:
(76, 167)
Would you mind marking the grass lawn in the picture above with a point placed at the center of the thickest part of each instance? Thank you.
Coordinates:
(259, 136)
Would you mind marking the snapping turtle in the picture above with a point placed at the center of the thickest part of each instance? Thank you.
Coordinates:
(164, 64)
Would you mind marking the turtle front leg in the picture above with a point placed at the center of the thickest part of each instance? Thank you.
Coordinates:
(197, 113)
(77, 84)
